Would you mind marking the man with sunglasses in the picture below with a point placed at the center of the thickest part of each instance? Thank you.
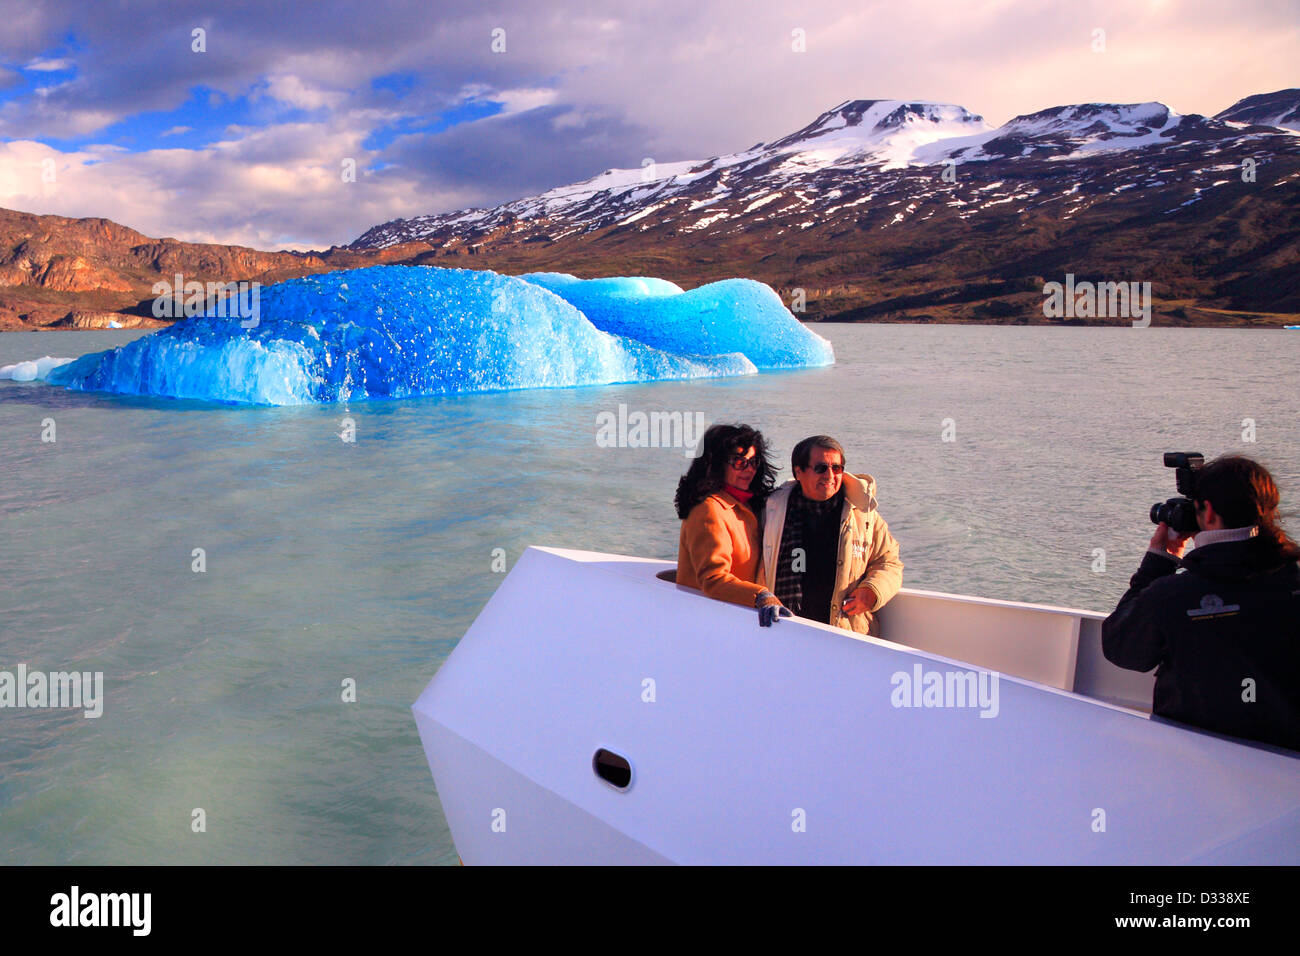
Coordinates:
(827, 553)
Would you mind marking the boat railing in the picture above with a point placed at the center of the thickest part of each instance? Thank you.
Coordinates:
(1056, 646)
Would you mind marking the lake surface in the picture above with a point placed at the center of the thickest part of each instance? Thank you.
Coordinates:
(329, 561)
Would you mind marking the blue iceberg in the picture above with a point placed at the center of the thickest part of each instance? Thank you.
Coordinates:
(398, 331)
(734, 315)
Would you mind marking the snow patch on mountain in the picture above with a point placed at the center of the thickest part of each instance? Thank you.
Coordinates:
(883, 133)
(1066, 132)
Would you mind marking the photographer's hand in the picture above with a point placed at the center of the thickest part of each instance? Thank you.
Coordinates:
(1169, 542)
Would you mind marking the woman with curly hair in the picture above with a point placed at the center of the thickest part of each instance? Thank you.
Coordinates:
(718, 500)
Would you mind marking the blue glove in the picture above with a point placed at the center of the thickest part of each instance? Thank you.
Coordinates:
(769, 614)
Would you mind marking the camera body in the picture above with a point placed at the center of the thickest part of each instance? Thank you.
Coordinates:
(1180, 513)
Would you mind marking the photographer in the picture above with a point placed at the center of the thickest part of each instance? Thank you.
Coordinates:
(1224, 633)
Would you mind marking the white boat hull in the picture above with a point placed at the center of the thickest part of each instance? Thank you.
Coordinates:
(787, 745)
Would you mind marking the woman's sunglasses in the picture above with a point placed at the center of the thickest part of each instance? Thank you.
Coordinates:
(744, 464)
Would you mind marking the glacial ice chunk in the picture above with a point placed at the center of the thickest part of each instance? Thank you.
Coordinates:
(733, 315)
(31, 370)
(397, 331)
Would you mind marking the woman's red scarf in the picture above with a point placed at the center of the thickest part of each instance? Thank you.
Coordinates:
(740, 494)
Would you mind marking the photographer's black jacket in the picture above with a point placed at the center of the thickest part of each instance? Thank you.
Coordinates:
(1223, 620)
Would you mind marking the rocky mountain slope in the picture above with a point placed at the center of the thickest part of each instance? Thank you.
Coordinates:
(92, 273)
(1266, 109)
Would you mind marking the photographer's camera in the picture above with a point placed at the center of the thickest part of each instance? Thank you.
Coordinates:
(1180, 513)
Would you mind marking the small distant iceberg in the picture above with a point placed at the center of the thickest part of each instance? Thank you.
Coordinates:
(399, 331)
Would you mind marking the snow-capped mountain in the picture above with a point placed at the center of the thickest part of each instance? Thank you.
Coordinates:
(848, 163)
(1072, 132)
(1266, 109)
(914, 211)
(883, 133)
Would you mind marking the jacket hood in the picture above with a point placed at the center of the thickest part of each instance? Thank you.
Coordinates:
(860, 490)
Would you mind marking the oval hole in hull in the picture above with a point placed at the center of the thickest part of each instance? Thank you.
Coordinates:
(612, 768)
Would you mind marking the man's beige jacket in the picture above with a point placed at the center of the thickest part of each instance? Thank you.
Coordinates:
(868, 553)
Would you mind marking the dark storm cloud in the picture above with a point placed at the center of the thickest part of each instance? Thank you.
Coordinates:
(503, 158)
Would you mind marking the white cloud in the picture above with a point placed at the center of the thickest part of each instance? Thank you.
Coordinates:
(48, 66)
(520, 100)
(295, 91)
(61, 124)
(280, 188)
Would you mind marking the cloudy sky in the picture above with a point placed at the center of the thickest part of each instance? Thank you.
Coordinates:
(108, 109)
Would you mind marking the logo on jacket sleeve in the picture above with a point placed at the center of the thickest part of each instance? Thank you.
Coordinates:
(1212, 606)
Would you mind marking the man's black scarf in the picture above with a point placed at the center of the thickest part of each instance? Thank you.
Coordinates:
(798, 509)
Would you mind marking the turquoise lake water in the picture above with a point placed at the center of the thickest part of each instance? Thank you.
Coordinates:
(329, 561)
